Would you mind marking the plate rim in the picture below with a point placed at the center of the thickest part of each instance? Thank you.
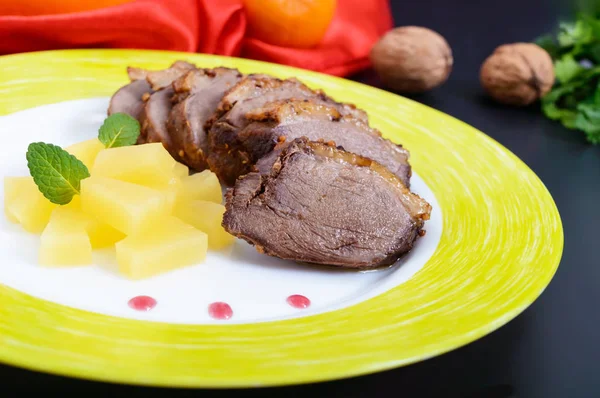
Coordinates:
(33, 363)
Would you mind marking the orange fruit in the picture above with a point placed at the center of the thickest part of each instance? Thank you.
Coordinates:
(47, 7)
(289, 23)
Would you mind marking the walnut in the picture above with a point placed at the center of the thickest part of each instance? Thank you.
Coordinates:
(412, 59)
(517, 74)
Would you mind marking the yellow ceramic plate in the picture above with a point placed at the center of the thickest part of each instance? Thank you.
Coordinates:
(500, 245)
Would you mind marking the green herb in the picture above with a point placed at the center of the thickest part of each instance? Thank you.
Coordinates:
(575, 97)
(55, 171)
(58, 174)
(119, 129)
(566, 68)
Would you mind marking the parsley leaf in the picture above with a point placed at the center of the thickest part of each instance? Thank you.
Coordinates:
(566, 68)
(575, 34)
(55, 171)
(575, 97)
(548, 43)
(119, 129)
(588, 120)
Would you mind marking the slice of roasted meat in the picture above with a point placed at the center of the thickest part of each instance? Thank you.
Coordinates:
(155, 115)
(255, 90)
(133, 98)
(225, 158)
(237, 144)
(197, 94)
(158, 105)
(128, 99)
(162, 78)
(320, 204)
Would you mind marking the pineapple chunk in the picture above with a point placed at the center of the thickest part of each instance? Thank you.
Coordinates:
(12, 188)
(207, 217)
(130, 208)
(64, 240)
(171, 244)
(25, 204)
(86, 151)
(172, 191)
(148, 164)
(180, 170)
(75, 203)
(200, 186)
(100, 234)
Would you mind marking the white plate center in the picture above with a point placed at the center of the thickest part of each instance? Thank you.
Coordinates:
(256, 286)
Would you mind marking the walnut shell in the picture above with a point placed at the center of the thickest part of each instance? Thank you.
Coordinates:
(412, 59)
(517, 74)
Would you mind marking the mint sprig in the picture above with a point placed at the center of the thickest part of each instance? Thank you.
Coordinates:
(119, 129)
(58, 174)
(55, 171)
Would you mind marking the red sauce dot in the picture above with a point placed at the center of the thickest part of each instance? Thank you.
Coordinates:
(220, 310)
(142, 303)
(298, 301)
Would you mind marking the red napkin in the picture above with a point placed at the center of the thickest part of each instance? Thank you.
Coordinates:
(206, 26)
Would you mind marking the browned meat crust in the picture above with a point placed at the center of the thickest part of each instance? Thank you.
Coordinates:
(197, 95)
(240, 138)
(320, 204)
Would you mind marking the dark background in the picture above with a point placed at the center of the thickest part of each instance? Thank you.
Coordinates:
(553, 348)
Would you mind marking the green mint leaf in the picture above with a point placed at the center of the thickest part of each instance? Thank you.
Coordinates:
(567, 68)
(55, 171)
(119, 129)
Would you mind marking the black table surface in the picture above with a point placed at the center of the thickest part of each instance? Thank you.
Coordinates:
(550, 350)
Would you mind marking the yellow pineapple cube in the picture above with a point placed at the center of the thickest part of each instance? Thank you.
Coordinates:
(207, 217)
(169, 245)
(200, 186)
(180, 170)
(12, 187)
(148, 164)
(172, 191)
(65, 241)
(74, 204)
(86, 151)
(25, 204)
(100, 234)
(128, 207)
